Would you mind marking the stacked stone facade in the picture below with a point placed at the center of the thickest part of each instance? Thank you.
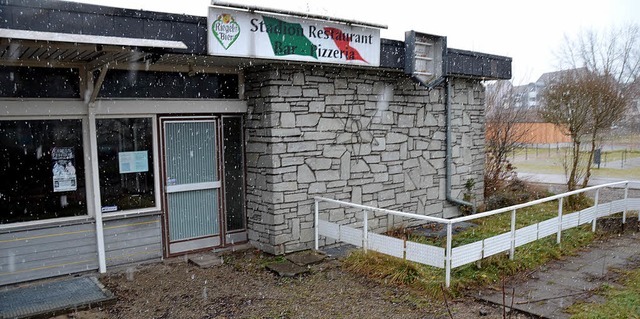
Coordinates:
(358, 135)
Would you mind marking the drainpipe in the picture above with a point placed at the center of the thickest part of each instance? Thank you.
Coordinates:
(449, 155)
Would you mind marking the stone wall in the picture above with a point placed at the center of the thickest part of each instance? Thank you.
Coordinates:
(358, 135)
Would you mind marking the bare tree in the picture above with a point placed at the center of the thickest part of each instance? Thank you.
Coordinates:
(588, 100)
(563, 106)
(607, 104)
(503, 135)
(615, 53)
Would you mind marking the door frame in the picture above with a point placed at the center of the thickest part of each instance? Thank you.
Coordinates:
(215, 240)
(238, 236)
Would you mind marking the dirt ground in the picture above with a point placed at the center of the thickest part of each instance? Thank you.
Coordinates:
(243, 288)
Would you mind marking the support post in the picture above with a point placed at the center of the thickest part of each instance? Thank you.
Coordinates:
(97, 201)
(365, 229)
(316, 223)
(626, 205)
(559, 220)
(98, 84)
(448, 259)
(512, 251)
(595, 215)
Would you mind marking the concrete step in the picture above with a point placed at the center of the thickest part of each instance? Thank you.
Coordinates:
(206, 260)
(306, 258)
(287, 269)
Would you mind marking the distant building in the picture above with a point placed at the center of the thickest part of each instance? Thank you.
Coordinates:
(631, 120)
(526, 96)
(529, 95)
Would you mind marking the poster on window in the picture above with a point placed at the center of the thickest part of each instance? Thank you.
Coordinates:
(133, 162)
(64, 170)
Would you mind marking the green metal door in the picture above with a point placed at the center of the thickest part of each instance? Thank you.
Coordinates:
(192, 185)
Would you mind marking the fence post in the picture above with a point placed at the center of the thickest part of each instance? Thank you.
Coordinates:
(316, 222)
(448, 257)
(595, 216)
(365, 228)
(512, 251)
(626, 205)
(559, 221)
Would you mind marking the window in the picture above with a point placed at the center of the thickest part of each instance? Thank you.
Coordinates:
(143, 84)
(41, 169)
(125, 162)
(234, 173)
(39, 82)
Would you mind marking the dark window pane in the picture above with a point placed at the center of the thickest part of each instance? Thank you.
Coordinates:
(39, 82)
(142, 84)
(125, 157)
(233, 172)
(41, 169)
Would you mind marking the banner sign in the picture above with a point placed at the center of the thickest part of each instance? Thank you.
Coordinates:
(242, 34)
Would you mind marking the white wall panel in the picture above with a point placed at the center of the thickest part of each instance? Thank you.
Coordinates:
(497, 244)
(425, 254)
(351, 235)
(386, 245)
(466, 254)
(526, 235)
(328, 229)
(548, 227)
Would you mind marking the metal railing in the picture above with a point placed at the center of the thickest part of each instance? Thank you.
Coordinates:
(451, 257)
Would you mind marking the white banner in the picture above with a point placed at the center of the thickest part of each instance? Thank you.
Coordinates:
(241, 34)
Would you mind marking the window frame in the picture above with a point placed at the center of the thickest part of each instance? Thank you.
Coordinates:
(66, 108)
(155, 167)
(89, 213)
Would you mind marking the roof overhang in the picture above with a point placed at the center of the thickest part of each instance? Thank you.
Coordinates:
(92, 52)
(90, 39)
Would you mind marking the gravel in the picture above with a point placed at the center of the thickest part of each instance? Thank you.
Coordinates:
(243, 288)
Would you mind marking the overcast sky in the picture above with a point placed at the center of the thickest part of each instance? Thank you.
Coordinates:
(527, 31)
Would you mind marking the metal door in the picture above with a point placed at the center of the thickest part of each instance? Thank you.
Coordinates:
(192, 184)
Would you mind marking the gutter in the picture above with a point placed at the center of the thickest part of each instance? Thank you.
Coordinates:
(449, 159)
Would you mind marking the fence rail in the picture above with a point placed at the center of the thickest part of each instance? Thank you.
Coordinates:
(452, 257)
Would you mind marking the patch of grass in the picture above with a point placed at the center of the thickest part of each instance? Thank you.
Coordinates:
(386, 269)
(619, 155)
(626, 173)
(621, 302)
(551, 168)
(546, 161)
(428, 279)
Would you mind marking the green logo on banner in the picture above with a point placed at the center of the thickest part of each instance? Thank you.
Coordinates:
(226, 30)
(288, 38)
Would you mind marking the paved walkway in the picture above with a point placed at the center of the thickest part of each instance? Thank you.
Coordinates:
(562, 179)
(550, 290)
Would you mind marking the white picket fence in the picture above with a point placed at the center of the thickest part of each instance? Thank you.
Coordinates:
(452, 257)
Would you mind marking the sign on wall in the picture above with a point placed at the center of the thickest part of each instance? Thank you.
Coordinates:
(254, 35)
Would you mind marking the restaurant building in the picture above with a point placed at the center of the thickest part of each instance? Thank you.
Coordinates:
(129, 136)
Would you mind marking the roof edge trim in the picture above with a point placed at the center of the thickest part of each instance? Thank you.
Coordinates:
(89, 39)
